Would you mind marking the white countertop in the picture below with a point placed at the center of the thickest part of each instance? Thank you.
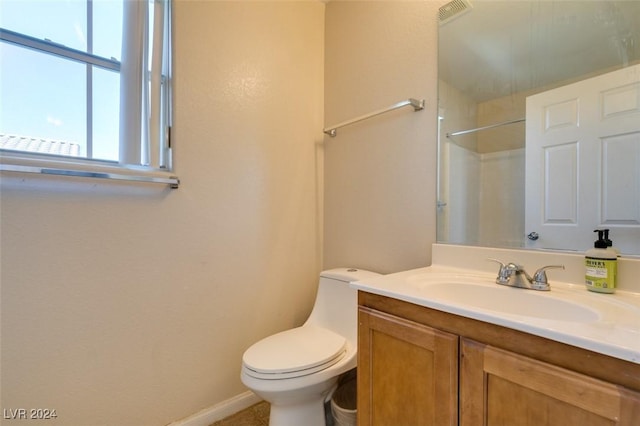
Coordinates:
(603, 323)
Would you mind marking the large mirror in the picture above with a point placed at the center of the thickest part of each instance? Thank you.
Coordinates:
(539, 123)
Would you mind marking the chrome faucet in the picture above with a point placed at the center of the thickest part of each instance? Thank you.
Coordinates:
(514, 275)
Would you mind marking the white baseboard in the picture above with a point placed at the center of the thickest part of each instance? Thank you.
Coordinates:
(219, 411)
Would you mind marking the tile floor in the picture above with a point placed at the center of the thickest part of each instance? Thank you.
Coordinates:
(256, 415)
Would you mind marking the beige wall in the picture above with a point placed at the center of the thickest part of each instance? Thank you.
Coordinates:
(132, 305)
(380, 173)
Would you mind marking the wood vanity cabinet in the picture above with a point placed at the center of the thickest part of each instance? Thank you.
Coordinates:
(419, 366)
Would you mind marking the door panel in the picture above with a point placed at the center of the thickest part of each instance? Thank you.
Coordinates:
(621, 179)
(561, 184)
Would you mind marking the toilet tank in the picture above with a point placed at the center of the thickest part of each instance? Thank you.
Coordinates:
(336, 305)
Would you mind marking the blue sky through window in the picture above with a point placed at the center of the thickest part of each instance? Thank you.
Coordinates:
(45, 96)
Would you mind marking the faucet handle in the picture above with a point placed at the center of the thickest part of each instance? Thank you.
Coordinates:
(509, 267)
(540, 277)
(497, 261)
(504, 273)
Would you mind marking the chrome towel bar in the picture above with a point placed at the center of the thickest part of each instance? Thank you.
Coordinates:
(416, 104)
(491, 126)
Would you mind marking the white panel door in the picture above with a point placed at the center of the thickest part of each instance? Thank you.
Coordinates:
(583, 163)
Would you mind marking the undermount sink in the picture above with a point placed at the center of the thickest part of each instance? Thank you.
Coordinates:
(508, 300)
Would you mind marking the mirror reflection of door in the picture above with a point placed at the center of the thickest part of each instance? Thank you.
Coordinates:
(583, 162)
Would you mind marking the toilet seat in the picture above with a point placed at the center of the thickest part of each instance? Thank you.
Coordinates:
(294, 353)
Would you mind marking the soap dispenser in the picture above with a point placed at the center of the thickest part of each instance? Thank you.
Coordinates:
(601, 266)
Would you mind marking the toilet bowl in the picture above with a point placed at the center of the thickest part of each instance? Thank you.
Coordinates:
(296, 369)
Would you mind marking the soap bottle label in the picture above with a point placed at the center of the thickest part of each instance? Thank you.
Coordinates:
(601, 274)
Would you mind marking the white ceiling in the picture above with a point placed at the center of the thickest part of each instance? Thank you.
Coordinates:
(501, 47)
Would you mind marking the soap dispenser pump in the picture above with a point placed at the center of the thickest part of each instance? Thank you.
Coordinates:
(601, 266)
(610, 243)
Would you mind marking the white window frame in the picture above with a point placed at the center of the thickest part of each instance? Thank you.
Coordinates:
(145, 102)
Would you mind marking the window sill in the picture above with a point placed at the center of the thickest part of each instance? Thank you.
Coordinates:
(61, 166)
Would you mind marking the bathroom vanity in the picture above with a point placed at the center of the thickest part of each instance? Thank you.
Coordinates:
(424, 358)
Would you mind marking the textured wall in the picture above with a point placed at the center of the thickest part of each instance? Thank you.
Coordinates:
(380, 174)
(132, 305)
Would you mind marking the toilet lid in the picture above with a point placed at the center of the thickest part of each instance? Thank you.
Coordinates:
(292, 353)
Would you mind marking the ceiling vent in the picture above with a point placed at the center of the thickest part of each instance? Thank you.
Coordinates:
(452, 10)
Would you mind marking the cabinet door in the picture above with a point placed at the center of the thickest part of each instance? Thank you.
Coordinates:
(502, 388)
(407, 372)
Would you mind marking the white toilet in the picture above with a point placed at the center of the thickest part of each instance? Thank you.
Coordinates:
(296, 369)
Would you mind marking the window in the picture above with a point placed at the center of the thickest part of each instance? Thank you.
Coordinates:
(86, 82)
